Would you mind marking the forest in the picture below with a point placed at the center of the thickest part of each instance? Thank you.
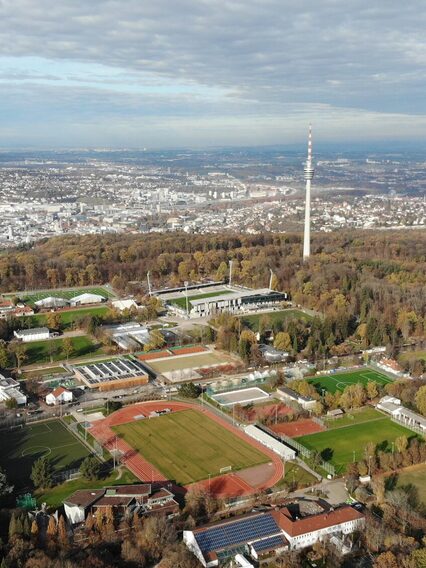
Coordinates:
(371, 282)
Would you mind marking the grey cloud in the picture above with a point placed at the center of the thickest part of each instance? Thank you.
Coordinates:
(329, 51)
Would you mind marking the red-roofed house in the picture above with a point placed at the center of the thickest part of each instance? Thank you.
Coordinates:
(59, 396)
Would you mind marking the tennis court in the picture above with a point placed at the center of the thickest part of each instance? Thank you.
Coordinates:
(242, 396)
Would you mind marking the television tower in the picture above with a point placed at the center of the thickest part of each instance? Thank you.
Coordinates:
(309, 174)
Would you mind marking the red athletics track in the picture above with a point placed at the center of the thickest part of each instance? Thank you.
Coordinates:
(230, 485)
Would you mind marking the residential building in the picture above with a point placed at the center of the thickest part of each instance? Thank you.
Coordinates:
(144, 499)
(34, 334)
(59, 396)
(272, 355)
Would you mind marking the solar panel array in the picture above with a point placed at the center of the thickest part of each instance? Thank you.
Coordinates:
(229, 534)
(111, 370)
(268, 543)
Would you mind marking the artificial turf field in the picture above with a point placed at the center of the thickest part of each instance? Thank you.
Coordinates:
(187, 446)
(338, 445)
(21, 447)
(66, 293)
(339, 381)
(252, 321)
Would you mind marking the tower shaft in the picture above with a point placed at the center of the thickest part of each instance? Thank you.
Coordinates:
(309, 174)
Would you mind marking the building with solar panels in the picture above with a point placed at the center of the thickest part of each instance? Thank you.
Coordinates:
(268, 534)
(120, 373)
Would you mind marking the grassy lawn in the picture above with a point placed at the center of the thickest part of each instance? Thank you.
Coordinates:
(181, 302)
(55, 496)
(69, 317)
(42, 373)
(252, 321)
(338, 445)
(339, 381)
(66, 293)
(38, 351)
(357, 416)
(412, 355)
(300, 475)
(20, 448)
(187, 446)
(415, 475)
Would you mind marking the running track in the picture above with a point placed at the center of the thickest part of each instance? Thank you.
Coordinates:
(230, 485)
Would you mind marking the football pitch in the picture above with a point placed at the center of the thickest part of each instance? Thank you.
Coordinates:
(339, 381)
(67, 293)
(187, 446)
(21, 447)
(347, 444)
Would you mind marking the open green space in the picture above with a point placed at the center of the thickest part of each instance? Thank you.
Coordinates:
(69, 317)
(356, 416)
(52, 349)
(339, 381)
(412, 355)
(296, 474)
(414, 476)
(252, 321)
(187, 446)
(67, 293)
(55, 496)
(195, 361)
(46, 372)
(181, 302)
(344, 445)
(21, 447)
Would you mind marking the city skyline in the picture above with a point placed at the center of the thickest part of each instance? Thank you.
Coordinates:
(204, 74)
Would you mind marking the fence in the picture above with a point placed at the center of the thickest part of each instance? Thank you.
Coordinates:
(412, 427)
(80, 431)
(66, 475)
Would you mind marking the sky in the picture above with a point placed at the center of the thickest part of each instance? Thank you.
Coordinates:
(202, 73)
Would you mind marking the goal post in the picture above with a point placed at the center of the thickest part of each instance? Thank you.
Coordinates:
(225, 469)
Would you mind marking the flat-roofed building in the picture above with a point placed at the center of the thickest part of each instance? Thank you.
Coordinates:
(280, 448)
(34, 334)
(306, 402)
(9, 389)
(115, 374)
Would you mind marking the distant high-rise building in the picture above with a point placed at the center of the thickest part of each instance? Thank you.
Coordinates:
(309, 174)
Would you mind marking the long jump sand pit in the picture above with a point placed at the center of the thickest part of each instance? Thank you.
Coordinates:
(242, 396)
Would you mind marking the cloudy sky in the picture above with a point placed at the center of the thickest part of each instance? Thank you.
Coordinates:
(164, 73)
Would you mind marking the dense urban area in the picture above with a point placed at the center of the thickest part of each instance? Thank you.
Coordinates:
(202, 192)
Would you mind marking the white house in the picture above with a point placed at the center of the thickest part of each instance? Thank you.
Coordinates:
(59, 396)
(34, 334)
(86, 298)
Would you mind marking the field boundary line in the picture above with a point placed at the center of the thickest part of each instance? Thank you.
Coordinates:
(351, 425)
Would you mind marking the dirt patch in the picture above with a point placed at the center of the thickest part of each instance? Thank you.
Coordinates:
(299, 428)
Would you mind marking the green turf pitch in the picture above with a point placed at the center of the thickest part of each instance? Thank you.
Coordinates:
(339, 381)
(271, 318)
(20, 447)
(338, 446)
(187, 446)
(39, 351)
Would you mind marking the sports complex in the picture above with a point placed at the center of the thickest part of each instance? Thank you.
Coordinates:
(188, 445)
(66, 293)
(338, 381)
(242, 396)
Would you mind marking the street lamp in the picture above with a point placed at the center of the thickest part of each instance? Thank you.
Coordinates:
(186, 294)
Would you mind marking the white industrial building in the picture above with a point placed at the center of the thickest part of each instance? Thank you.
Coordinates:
(51, 302)
(34, 334)
(284, 451)
(9, 388)
(59, 396)
(86, 298)
(392, 405)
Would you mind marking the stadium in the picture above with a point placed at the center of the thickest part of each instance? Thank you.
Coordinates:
(188, 445)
